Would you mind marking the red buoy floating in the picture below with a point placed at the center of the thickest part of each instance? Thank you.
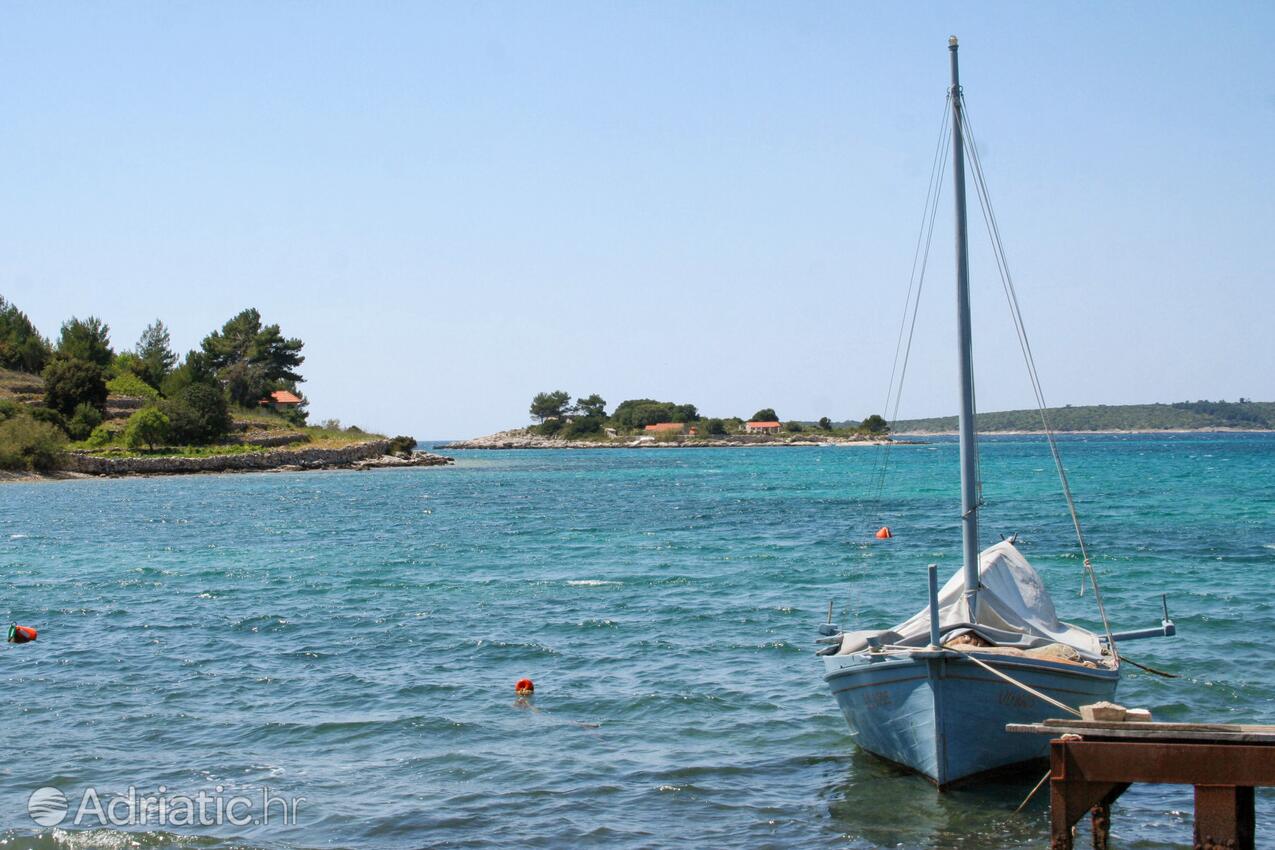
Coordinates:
(22, 634)
(524, 687)
(884, 533)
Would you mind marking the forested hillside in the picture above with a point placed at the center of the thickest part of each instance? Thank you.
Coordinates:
(1182, 416)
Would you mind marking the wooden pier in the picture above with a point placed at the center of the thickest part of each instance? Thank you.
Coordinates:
(1093, 762)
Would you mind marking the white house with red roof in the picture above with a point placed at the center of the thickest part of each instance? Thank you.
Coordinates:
(281, 400)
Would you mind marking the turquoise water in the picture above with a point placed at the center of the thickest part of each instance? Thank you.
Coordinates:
(353, 639)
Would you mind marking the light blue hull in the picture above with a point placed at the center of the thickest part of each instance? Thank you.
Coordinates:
(944, 716)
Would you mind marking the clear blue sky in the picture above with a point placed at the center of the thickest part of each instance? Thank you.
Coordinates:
(456, 205)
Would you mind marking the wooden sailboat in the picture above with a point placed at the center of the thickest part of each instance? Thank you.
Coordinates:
(935, 692)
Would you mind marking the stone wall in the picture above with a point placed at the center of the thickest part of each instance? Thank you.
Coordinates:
(346, 456)
(269, 440)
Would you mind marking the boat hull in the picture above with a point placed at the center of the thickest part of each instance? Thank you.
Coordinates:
(944, 716)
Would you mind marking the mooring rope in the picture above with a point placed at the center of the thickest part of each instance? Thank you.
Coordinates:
(1153, 671)
(1028, 798)
(1011, 295)
(1008, 678)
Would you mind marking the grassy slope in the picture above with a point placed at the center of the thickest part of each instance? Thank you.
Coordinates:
(261, 423)
(26, 388)
(265, 421)
(20, 386)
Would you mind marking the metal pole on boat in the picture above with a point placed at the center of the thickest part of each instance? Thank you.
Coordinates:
(969, 471)
(934, 606)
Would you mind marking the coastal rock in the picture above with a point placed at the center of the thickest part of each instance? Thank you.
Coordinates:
(397, 461)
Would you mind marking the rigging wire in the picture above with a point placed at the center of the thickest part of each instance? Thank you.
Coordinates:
(911, 304)
(1011, 295)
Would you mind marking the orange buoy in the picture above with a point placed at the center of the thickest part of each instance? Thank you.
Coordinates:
(525, 687)
(884, 533)
(22, 634)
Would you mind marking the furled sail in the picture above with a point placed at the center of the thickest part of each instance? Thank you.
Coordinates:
(1014, 610)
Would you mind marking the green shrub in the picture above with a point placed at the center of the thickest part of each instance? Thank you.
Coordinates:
(26, 443)
(402, 445)
(128, 384)
(875, 424)
(147, 427)
(8, 408)
(636, 413)
(125, 363)
(548, 428)
(296, 415)
(198, 415)
(69, 382)
(582, 427)
(83, 421)
(195, 370)
(46, 414)
(715, 427)
(102, 436)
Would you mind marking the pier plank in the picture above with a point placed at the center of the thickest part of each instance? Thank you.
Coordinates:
(1131, 730)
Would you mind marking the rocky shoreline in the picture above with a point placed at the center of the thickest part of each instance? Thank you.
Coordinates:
(373, 454)
(522, 439)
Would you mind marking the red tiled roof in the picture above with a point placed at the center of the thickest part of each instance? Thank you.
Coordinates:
(666, 426)
(283, 397)
(763, 424)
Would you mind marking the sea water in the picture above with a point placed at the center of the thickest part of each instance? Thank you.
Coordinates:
(347, 643)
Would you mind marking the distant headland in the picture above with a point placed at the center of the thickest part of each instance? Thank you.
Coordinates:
(77, 407)
(1241, 415)
(647, 423)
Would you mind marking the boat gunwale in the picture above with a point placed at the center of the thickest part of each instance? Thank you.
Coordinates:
(992, 659)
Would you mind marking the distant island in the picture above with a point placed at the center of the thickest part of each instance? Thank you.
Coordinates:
(78, 407)
(648, 423)
(1242, 415)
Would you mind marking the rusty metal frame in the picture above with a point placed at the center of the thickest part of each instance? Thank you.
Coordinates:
(1086, 776)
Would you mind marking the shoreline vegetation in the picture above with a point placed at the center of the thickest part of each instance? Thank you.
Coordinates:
(648, 423)
(79, 408)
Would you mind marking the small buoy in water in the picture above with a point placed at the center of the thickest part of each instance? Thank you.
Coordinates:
(525, 687)
(22, 634)
(884, 533)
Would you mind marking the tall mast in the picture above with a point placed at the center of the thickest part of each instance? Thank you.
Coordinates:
(969, 471)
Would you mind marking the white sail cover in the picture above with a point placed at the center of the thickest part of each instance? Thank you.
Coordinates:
(1014, 609)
